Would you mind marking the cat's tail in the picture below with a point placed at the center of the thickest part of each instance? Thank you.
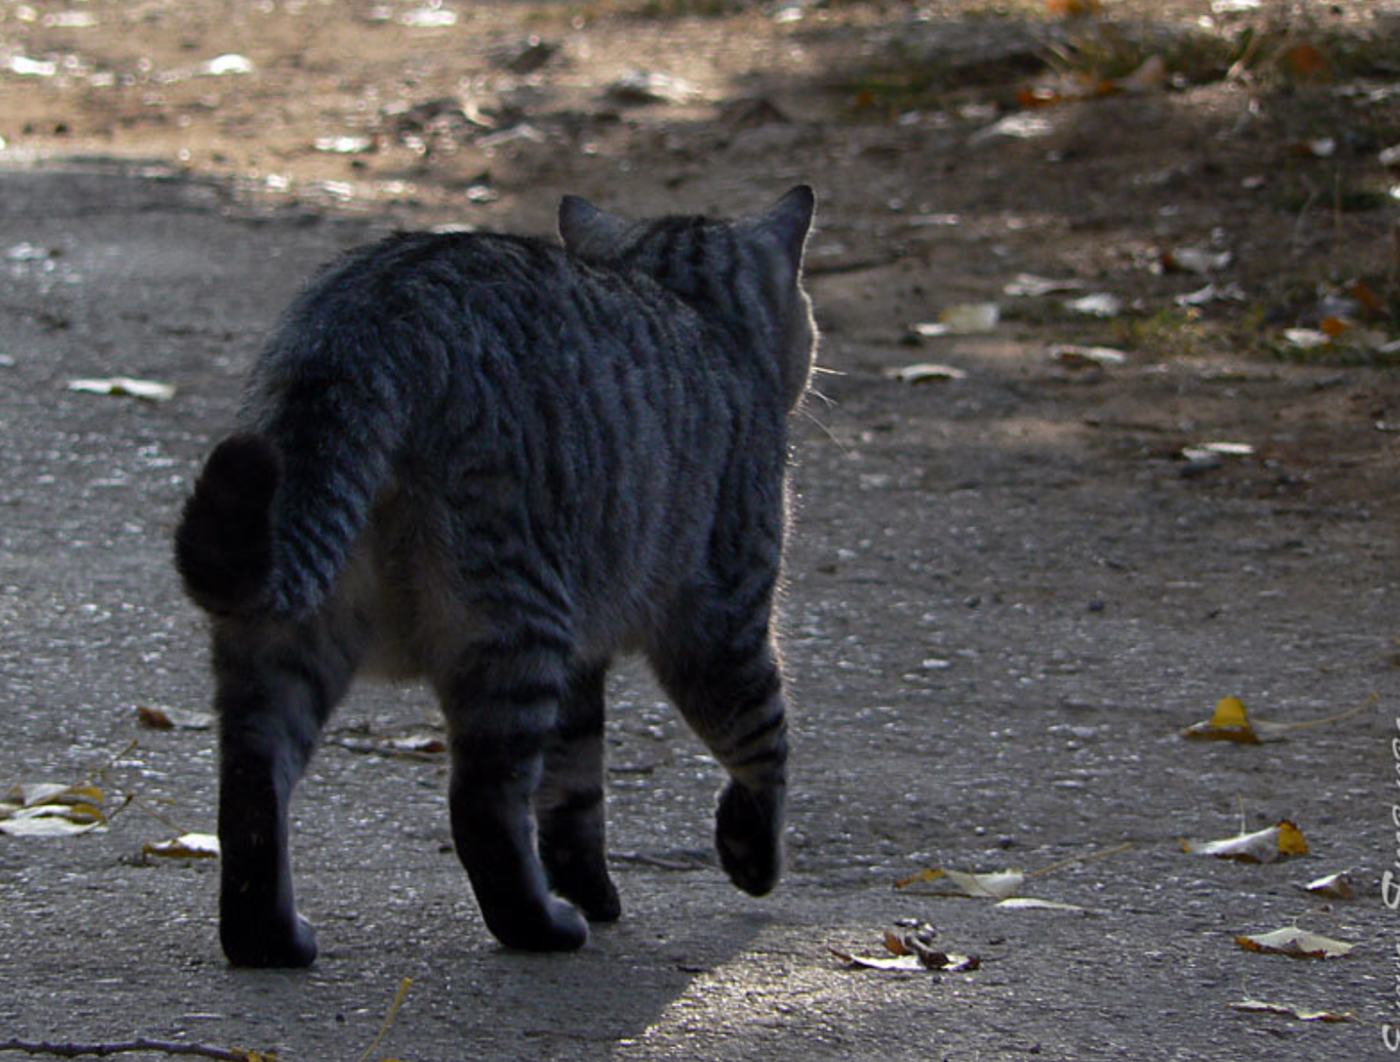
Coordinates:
(223, 546)
(253, 541)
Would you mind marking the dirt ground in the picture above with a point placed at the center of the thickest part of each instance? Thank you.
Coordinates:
(1012, 584)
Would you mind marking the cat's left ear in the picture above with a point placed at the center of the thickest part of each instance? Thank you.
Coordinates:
(790, 220)
(584, 228)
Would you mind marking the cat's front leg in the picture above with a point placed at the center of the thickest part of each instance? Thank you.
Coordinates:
(500, 707)
(729, 688)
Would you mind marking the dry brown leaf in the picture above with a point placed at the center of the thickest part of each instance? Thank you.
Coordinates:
(1295, 943)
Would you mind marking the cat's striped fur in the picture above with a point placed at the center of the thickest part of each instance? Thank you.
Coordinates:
(496, 463)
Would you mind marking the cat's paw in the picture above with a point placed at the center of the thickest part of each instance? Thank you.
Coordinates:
(748, 827)
(597, 899)
(582, 877)
(281, 944)
(557, 926)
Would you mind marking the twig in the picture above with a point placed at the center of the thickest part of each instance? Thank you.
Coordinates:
(1079, 859)
(122, 1047)
(404, 986)
(1308, 724)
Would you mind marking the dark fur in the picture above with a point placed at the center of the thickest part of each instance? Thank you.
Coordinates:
(496, 463)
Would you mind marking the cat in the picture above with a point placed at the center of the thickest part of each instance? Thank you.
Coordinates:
(495, 463)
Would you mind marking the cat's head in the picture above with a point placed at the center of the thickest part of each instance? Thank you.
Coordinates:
(748, 272)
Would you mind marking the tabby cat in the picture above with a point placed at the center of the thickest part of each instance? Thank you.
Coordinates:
(495, 463)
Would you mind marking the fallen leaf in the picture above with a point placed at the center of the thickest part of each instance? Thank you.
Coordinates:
(44, 821)
(1306, 338)
(125, 386)
(1260, 1006)
(1229, 723)
(1207, 450)
(227, 64)
(344, 145)
(926, 372)
(880, 962)
(962, 319)
(186, 846)
(997, 885)
(161, 717)
(1030, 285)
(648, 86)
(433, 16)
(1100, 304)
(1196, 260)
(1078, 357)
(417, 746)
(906, 958)
(1333, 886)
(1295, 943)
(1306, 61)
(1030, 903)
(1212, 292)
(1261, 846)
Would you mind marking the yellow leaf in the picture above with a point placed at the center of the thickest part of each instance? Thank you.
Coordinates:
(1295, 943)
(1229, 723)
(1290, 840)
(1261, 846)
(924, 875)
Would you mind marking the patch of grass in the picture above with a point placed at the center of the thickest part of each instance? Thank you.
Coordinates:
(1167, 333)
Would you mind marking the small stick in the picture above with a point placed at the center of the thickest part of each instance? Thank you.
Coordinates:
(388, 1018)
(128, 1046)
(1079, 859)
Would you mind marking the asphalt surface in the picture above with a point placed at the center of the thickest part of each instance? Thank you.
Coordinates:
(991, 649)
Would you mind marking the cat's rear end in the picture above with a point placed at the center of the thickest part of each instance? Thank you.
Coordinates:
(498, 463)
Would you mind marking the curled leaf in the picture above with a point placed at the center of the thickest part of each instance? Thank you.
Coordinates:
(125, 386)
(1259, 1006)
(1261, 846)
(996, 886)
(1333, 886)
(1229, 723)
(1295, 943)
(1030, 903)
(926, 372)
(1076, 356)
(186, 846)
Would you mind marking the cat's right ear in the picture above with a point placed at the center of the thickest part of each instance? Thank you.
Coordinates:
(585, 229)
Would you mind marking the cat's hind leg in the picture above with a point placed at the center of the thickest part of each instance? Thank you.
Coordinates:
(276, 686)
(722, 672)
(501, 702)
(569, 801)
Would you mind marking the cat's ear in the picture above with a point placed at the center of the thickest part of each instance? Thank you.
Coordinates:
(584, 228)
(790, 219)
